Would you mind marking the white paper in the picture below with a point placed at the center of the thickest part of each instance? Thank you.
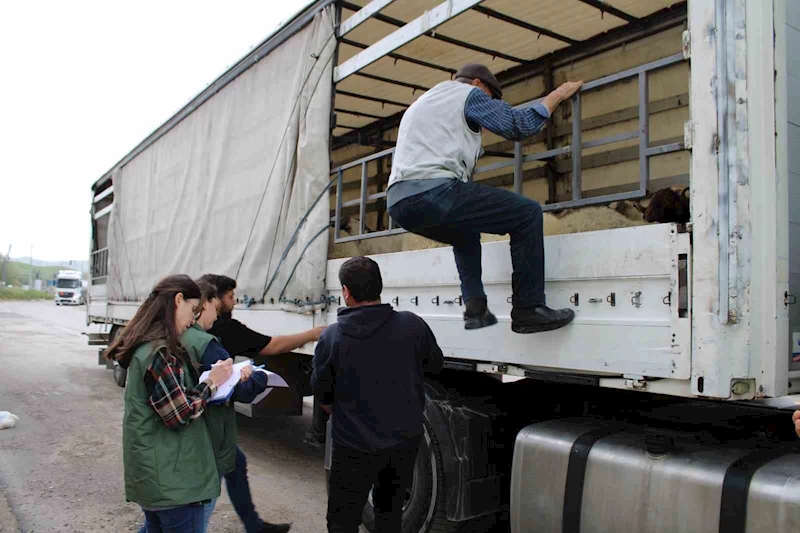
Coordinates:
(273, 381)
(226, 389)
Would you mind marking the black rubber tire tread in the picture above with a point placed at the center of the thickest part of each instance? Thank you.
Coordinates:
(112, 335)
(439, 522)
(120, 374)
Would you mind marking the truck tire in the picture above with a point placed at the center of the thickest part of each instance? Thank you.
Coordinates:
(120, 374)
(425, 502)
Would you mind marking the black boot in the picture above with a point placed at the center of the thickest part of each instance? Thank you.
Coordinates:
(478, 315)
(539, 318)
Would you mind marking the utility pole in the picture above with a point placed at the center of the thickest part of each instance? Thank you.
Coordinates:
(30, 282)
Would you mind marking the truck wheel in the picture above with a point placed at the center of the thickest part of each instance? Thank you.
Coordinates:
(424, 503)
(120, 374)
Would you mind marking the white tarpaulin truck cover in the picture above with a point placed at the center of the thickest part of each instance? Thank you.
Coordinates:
(225, 190)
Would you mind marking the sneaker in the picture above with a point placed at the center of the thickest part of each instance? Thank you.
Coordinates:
(315, 442)
(539, 318)
(275, 528)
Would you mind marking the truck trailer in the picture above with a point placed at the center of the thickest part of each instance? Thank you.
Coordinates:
(666, 405)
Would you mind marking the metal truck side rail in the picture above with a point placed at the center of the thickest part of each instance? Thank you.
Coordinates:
(575, 150)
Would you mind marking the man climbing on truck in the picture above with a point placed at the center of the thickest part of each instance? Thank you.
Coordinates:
(431, 192)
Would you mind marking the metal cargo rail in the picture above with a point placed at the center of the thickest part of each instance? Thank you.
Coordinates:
(574, 150)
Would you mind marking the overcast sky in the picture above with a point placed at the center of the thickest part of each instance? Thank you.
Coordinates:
(83, 82)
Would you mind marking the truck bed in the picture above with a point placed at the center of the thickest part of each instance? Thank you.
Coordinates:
(623, 285)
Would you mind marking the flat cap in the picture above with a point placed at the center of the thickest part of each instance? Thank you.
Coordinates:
(476, 71)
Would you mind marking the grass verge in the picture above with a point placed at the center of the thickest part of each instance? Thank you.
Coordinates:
(14, 293)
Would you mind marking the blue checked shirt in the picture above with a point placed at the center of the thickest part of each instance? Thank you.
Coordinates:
(482, 111)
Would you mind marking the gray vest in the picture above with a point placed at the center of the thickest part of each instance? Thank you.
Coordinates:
(434, 140)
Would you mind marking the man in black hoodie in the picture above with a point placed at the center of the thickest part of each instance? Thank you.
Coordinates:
(369, 372)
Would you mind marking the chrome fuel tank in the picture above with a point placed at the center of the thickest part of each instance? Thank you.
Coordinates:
(579, 475)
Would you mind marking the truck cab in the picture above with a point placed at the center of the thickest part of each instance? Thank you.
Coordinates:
(70, 288)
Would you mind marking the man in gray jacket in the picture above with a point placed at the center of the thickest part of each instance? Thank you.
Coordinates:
(431, 192)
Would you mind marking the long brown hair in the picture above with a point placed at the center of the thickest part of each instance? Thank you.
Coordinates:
(154, 320)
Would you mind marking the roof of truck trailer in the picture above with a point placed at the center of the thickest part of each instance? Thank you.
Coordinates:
(292, 24)
(512, 37)
(505, 35)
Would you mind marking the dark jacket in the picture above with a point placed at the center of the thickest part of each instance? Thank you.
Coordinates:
(205, 350)
(370, 367)
(245, 391)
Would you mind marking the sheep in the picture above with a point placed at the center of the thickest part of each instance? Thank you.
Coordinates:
(630, 209)
(384, 245)
(593, 218)
(666, 205)
(669, 205)
(567, 221)
(349, 224)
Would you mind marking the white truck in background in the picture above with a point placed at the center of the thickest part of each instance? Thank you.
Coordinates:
(665, 406)
(70, 288)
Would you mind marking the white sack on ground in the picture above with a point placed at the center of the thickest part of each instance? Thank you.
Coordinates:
(188, 202)
(8, 420)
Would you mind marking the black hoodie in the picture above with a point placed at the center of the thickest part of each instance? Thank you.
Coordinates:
(369, 366)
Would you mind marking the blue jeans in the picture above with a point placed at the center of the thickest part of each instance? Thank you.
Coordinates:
(457, 213)
(186, 519)
(239, 492)
(208, 510)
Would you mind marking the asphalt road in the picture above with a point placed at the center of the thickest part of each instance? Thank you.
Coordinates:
(61, 466)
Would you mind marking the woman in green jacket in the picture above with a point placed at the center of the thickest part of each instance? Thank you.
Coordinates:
(205, 350)
(168, 457)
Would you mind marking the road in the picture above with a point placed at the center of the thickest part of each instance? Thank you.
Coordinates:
(61, 466)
